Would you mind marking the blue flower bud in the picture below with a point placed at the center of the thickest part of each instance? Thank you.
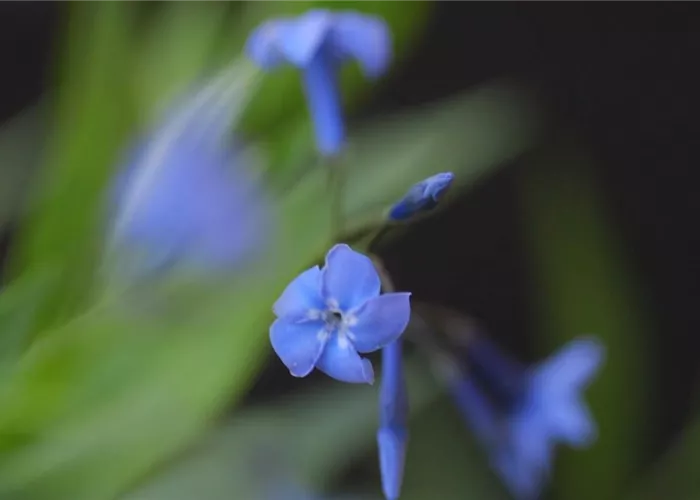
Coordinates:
(422, 197)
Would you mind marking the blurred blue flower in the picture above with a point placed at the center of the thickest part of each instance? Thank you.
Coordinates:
(392, 436)
(318, 42)
(423, 196)
(520, 414)
(327, 316)
(187, 195)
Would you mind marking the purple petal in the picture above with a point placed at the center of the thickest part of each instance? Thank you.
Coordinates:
(476, 409)
(392, 458)
(364, 38)
(573, 423)
(262, 46)
(437, 185)
(349, 277)
(380, 321)
(299, 345)
(522, 479)
(184, 202)
(321, 87)
(300, 296)
(341, 361)
(572, 367)
(530, 438)
(301, 39)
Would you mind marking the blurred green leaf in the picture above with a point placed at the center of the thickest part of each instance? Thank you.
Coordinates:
(19, 301)
(675, 474)
(445, 462)
(583, 285)
(307, 439)
(92, 108)
(178, 47)
(96, 404)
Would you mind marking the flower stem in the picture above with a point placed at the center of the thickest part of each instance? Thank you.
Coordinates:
(336, 185)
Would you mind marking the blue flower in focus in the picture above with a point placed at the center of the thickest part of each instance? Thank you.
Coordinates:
(318, 42)
(519, 415)
(326, 317)
(187, 195)
(422, 197)
(392, 436)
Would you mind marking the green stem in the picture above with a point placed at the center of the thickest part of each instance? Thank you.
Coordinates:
(336, 183)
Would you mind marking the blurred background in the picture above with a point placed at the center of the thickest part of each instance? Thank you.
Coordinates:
(575, 217)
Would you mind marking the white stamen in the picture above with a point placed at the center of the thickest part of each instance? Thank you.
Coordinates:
(349, 319)
(343, 341)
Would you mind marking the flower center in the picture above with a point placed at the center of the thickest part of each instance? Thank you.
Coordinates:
(333, 318)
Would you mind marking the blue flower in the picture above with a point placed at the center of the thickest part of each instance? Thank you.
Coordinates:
(186, 196)
(422, 197)
(392, 436)
(325, 317)
(521, 414)
(318, 42)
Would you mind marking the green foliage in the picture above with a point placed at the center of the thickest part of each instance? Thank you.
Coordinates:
(98, 390)
(91, 121)
(314, 425)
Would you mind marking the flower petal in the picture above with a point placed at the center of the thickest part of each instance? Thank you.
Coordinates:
(573, 423)
(300, 296)
(530, 438)
(380, 321)
(422, 196)
(349, 277)
(301, 39)
(572, 367)
(299, 345)
(476, 409)
(392, 442)
(341, 361)
(364, 38)
(321, 88)
(262, 46)
(437, 185)
(411, 203)
(523, 480)
(183, 202)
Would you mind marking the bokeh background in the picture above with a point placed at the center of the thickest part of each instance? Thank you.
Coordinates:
(579, 143)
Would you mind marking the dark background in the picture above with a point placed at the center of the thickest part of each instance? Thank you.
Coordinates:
(623, 78)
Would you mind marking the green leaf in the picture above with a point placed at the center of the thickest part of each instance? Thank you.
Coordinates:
(19, 301)
(178, 47)
(675, 474)
(445, 462)
(329, 428)
(582, 285)
(100, 401)
(60, 234)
